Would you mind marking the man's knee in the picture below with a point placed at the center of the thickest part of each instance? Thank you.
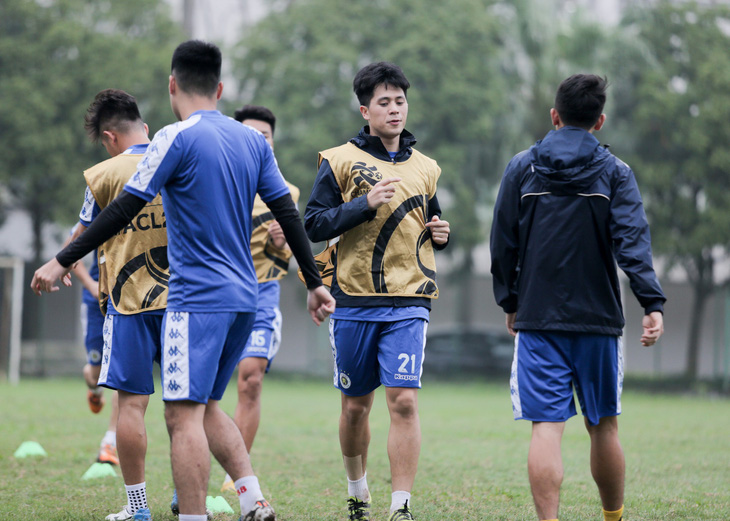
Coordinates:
(180, 413)
(356, 408)
(251, 373)
(607, 426)
(402, 402)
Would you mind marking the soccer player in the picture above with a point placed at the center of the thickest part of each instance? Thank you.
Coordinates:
(93, 322)
(567, 212)
(378, 195)
(271, 261)
(133, 274)
(209, 168)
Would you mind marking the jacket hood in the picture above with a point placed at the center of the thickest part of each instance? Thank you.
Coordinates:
(569, 160)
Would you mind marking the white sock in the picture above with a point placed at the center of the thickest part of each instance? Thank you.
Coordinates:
(193, 517)
(249, 491)
(398, 499)
(137, 496)
(358, 488)
(110, 438)
(98, 391)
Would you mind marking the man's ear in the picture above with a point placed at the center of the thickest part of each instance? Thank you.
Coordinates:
(555, 118)
(110, 136)
(219, 90)
(172, 85)
(365, 112)
(600, 122)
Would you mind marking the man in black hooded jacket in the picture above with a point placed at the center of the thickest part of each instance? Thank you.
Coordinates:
(567, 212)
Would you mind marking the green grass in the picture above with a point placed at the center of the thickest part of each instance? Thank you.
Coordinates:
(472, 466)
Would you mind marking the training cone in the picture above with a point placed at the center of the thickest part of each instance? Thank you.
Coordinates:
(218, 504)
(30, 448)
(99, 470)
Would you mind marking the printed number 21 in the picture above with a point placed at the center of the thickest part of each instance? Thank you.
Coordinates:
(406, 358)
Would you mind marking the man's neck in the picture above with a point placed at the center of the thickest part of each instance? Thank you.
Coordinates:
(390, 144)
(187, 105)
(136, 138)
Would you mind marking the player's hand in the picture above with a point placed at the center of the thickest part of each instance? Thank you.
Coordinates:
(45, 277)
(439, 230)
(382, 193)
(94, 289)
(653, 325)
(510, 321)
(277, 235)
(320, 304)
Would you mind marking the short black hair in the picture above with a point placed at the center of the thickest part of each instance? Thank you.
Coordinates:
(256, 112)
(580, 100)
(196, 66)
(112, 109)
(381, 73)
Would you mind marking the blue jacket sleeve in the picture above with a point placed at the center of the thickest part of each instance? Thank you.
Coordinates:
(327, 215)
(504, 243)
(632, 241)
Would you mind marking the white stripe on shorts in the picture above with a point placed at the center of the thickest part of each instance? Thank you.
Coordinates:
(336, 377)
(514, 386)
(175, 357)
(620, 374)
(275, 334)
(106, 354)
(423, 351)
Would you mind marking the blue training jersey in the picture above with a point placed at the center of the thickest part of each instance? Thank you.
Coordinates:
(209, 169)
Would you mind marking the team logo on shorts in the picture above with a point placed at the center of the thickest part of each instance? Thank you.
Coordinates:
(345, 381)
(94, 356)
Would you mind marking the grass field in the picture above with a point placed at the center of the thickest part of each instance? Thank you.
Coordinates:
(472, 466)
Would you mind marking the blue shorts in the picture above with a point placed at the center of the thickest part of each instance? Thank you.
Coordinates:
(92, 320)
(547, 365)
(265, 337)
(131, 346)
(200, 351)
(368, 354)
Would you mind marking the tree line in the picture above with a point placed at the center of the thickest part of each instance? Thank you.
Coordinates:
(483, 77)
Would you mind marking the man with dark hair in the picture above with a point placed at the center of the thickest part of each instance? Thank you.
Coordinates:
(271, 260)
(384, 277)
(567, 212)
(133, 299)
(208, 168)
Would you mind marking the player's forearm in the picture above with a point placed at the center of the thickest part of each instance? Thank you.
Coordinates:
(110, 221)
(287, 216)
(327, 215)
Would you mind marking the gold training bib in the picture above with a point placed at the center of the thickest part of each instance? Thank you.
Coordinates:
(270, 262)
(133, 266)
(392, 254)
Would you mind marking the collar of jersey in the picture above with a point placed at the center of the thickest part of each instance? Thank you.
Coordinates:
(137, 149)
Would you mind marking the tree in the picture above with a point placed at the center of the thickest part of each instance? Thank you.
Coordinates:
(54, 57)
(678, 109)
(301, 62)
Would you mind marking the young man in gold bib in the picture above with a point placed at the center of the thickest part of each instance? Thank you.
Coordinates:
(376, 195)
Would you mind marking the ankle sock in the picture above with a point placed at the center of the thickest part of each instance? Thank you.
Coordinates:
(137, 496)
(615, 515)
(398, 499)
(358, 488)
(249, 491)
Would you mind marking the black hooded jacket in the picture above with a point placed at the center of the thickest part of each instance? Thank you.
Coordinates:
(567, 212)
